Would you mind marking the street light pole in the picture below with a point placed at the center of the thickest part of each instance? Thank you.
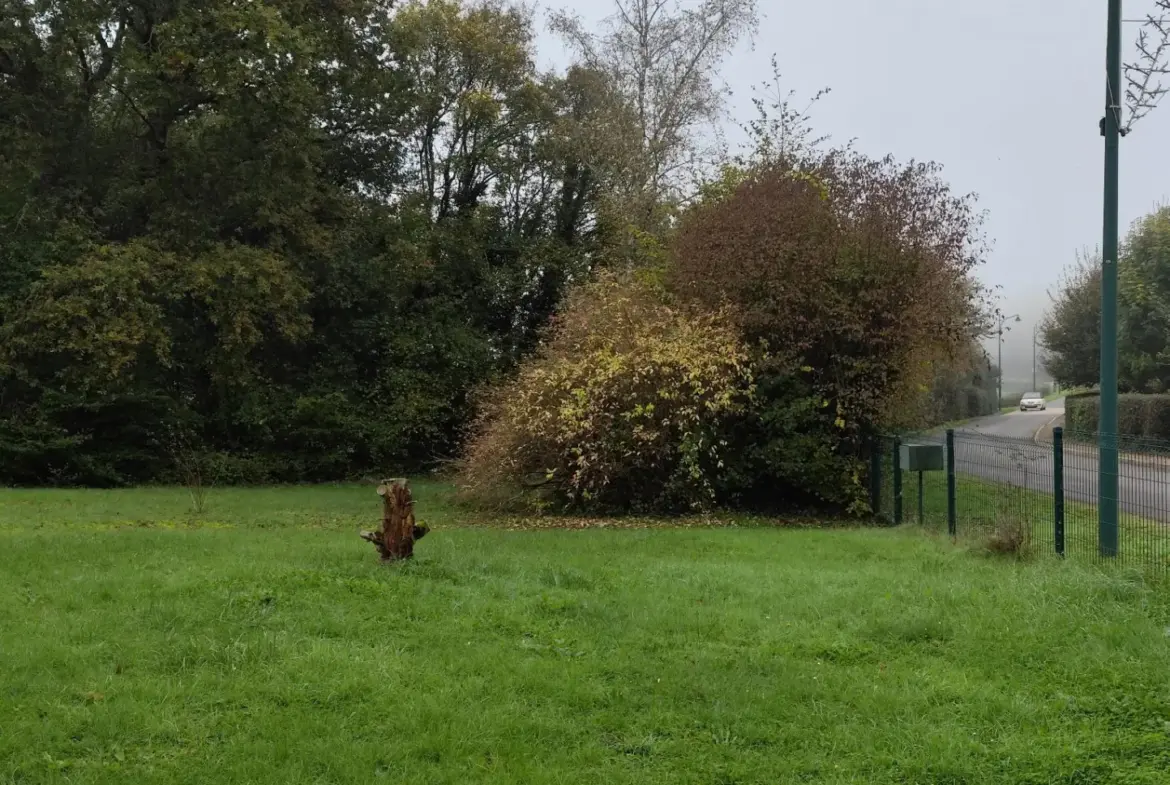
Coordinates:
(999, 358)
(1034, 387)
(1107, 486)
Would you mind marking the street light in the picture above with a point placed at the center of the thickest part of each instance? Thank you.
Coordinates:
(1141, 95)
(1034, 387)
(1107, 485)
(999, 355)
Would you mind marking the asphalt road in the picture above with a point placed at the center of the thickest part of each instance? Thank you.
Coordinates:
(1016, 425)
(1004, 448)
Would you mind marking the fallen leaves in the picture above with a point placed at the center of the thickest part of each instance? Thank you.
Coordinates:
(715, 521)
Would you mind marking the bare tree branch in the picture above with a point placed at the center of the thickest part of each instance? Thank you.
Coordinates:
(663, 56)
(1145, 87)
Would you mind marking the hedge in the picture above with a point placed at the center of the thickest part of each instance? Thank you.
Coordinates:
(1138, 415)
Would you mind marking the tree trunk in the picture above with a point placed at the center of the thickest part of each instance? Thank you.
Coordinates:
(399, 531)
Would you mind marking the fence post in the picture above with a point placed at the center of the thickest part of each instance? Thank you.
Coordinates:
(1058, 488)
(875, 476)
(952, 503)
(897, 481)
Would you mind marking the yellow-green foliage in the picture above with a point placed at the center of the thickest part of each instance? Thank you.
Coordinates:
(121, 306)
(621, 409)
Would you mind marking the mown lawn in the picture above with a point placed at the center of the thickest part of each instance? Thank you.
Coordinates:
(262, 643)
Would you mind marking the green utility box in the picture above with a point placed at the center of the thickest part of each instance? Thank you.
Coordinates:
(923, 458)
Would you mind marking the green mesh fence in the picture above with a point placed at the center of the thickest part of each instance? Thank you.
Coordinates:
(1035, 496)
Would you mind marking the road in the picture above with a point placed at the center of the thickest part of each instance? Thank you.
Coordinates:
(1016, 425)
(1005, 448)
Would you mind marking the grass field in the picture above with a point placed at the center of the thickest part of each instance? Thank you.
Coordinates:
(983, 506)
(262, 643)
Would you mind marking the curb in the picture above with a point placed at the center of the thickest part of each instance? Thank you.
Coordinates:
(1036, 436)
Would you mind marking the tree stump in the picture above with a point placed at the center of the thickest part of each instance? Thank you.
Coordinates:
(399, 531)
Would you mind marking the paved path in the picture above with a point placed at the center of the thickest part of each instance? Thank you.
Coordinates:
(1004, 448)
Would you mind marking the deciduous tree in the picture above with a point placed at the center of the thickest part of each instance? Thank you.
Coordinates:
(1071, 330)
(853, 277)
(664, 58)
(1144, 325)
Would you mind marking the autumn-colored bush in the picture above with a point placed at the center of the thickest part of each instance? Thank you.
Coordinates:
(851, 279)
(812, 304)
(857, 269)
(623, 409)
(1008, 538)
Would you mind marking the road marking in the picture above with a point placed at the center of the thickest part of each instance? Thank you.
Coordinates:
(1036, 435)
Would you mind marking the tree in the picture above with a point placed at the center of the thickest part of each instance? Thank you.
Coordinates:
(509, 165)
(322, 225)
(853, 277)
(1144, 323)
(663, 57)
(185, 174)
(847, 254)
(476, 101)
(780, 131)
(1070, 332)
(964, 386)
(1144, 88)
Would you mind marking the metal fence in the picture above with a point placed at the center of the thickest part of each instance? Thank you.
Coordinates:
(1019, 494)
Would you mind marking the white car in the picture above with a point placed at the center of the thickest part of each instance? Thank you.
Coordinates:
(1033, 401)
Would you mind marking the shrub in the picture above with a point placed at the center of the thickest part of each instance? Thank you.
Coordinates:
(1156, 417)
(857, 270)
(1131, 414)
(1080, 412)
(963, 387)
(95, 440)
(978, 404)
(1008, 538)
(1143, 416)
(623, 409)
(850, 279)
(785, 453)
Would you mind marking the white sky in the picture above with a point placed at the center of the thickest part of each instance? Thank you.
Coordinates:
(1006, 94)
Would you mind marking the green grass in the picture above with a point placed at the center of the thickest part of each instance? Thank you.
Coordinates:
(984, 506)
(320, 506)
(263, 643)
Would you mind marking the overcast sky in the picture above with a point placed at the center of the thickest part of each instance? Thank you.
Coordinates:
(1006, 94)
